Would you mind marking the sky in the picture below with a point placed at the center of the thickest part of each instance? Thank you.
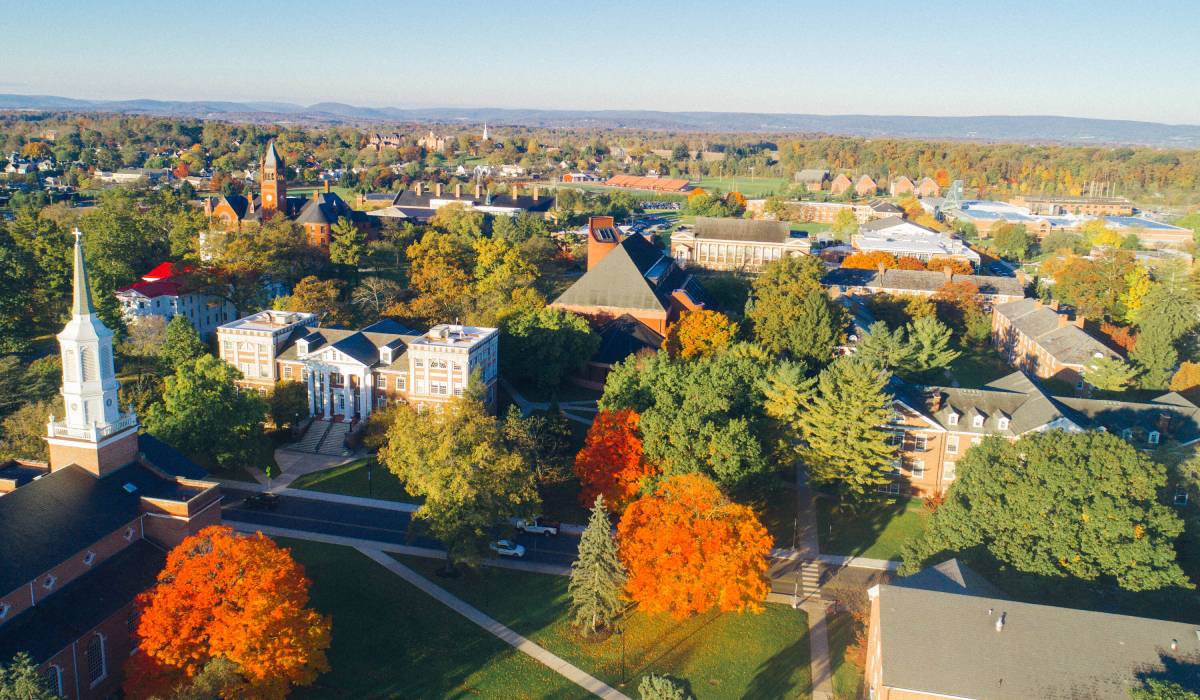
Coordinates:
(1104, 58)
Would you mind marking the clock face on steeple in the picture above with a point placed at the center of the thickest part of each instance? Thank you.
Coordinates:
(270, 198)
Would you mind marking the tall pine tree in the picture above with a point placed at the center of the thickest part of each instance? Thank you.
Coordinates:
(845, 441)
(597, 576)
(883, 348)
(929, 344)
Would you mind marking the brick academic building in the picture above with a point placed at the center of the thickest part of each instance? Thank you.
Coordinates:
(81, 536)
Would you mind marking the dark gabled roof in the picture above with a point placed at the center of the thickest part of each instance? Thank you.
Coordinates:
(1066, 343)
(52, 518)
(812, 175)
(619, 280)
(1166, 414)
(747, 230)
(165, 458)
(919, 281)
(624, 336)
(888, 222)
(1013, 397)
(410, 199)
(63, 617)
(20, 473)
(882, 207)
(390, 326)
(327, 208)
(359, 347)
(935, 641)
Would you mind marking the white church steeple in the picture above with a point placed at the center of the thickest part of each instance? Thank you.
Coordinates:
(89, 388)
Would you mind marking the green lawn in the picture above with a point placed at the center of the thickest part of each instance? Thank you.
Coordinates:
(751, 187)
(720, 655)
(350, 479)
(390, 640)
(877, 531)
(974, 368)
(847, 678)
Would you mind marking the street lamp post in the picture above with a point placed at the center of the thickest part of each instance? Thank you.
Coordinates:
(370, 483)
(621, 634)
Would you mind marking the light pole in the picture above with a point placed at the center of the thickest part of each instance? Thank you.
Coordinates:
(621, 634)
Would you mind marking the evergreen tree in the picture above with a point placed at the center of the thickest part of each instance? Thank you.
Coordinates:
(1109, 374)
(845, 442)
(1155, 355)
(791, 314)
(597, 576)
(659, 687)
(182, 345)
(929, 344)
(20, 680)
(883, 348)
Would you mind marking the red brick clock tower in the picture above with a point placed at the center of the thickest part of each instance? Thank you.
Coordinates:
(274, 181)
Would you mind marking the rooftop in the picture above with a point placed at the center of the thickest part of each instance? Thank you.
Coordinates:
(919, 281)
(743, 230)
(453, 335)
(271, 320)
(1068, 344)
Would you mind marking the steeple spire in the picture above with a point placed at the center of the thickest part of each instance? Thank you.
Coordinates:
(81, 301)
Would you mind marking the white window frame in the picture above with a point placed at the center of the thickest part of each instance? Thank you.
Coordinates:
(1180, 500)
(916, 468)
(49, 581)
(952, 419)
(1002, 424)
(977, 421)
(1153, 437)
(949, 471)
(952, 444)
(920, 442)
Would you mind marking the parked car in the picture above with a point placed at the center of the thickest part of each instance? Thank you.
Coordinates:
(508, 548)
(537, 526)
(265, 501)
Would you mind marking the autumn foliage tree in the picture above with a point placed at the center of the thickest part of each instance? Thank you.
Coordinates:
(869, 260)
(957, 265)
(224, 596)
(907, 262)
(699, 333)
(688, 550)
(611, 463)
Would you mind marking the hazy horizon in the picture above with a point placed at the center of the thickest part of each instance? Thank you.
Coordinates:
(950, 59)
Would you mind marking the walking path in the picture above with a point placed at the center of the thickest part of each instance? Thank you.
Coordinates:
(567, 407)
(572, 673)
(808, 546)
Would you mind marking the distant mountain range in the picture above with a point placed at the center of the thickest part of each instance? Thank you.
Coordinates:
(1026, 129)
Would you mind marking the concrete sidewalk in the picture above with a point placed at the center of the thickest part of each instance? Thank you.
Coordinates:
(572, 673)
(837, 560)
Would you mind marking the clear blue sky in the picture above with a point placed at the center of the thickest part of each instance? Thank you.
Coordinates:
(1104, 58)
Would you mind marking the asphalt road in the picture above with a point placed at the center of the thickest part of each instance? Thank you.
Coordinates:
(378, 524)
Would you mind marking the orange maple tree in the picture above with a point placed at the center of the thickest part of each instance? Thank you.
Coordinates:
(869, 260)
(225, 596)
(737, 199)
(957, 265)
(908, 262)
(699, 333)
(611, 463)
(688, 549)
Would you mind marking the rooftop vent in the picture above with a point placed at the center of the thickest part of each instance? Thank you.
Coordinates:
(1000, 622)
(129, 488)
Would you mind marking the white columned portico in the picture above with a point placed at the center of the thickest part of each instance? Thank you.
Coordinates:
(364, 392)
(347, 398)
(312, 393)
(325, 397)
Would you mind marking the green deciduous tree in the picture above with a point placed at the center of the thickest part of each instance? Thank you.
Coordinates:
(1059, 504)
(540, 346)
(288, 404)
(1155, 689)
(597, 575)
(347, 243)
(929, 344)
(181, 344)
(703, 415)
(23, 432)
(844, 439)
(203, 414)
(543, 438)
(471, 481)
(1011, 241)
(791, 314)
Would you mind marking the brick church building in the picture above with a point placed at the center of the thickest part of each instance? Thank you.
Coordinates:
(81, 536)
(316, 215)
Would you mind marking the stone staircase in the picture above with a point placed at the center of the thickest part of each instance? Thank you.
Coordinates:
(331, 442)
(312, 438)
(810, 579)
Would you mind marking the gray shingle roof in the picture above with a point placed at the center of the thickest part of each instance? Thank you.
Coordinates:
(634, 275)
(362, 345)
(935, 641)
(746, 230)
(1066, 343)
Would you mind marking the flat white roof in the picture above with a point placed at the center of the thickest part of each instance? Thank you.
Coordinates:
(269, 320)
(454, 336)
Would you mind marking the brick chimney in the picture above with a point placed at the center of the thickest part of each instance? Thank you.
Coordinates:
(535, 193)
(935, 400)
(1164, 422)
(458, 190)
(418, 189)
(949, 273)
(1079, 320)
(437, 188)
(602, 238)
(478, 191)
(1063, 320)
(514, 191)
(1053, 305)
(881, 267)
(1022, 278)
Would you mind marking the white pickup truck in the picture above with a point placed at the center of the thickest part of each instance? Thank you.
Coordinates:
(536, 526)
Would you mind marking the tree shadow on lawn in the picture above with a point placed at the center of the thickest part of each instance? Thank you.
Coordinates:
(852, 529)
(772, 678)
